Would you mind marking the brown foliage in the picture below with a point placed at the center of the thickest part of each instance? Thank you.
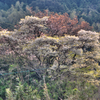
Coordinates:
(62, 24)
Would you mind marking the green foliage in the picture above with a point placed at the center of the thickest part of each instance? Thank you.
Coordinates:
(1, 98)
(3, 87)
(22, 92)
(67, 89)
(11, 16)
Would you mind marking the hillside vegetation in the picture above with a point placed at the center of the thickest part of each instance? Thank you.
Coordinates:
(85, 10)
(45, 60)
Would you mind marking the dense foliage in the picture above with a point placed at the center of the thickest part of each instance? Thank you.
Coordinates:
(49, 56)
(90, 12)
(35, 66)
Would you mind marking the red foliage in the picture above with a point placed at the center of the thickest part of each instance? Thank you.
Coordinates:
(62, 24)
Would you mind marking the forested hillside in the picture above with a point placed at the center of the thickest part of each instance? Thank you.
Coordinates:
(88, 10)
(49, 57)
(49, 51)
